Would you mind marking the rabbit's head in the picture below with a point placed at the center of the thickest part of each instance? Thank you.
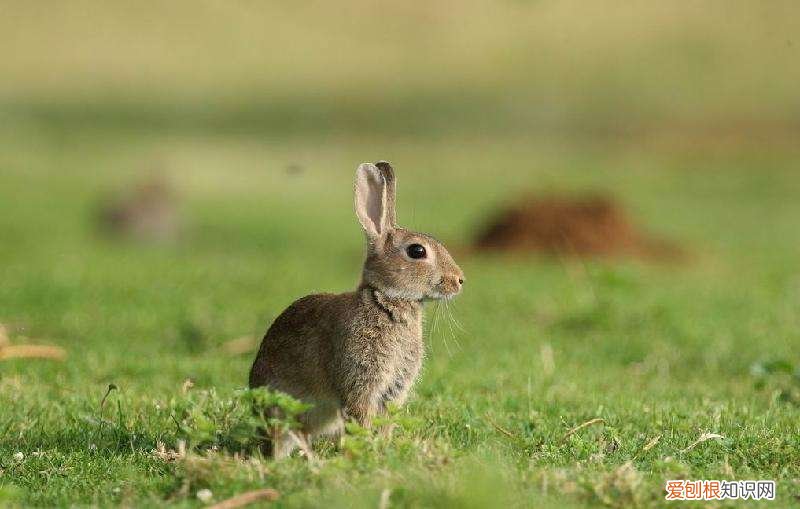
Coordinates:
(400, 263)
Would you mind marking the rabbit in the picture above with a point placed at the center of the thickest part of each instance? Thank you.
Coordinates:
(148, 214)
(351, 354)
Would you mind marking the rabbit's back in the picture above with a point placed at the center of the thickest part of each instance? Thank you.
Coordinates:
(295, 353)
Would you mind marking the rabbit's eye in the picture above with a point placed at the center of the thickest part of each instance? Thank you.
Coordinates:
(416, 251)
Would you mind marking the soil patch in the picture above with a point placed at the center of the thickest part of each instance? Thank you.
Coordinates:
(585, 226)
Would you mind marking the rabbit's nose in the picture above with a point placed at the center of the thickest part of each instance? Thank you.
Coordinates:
(455, 282)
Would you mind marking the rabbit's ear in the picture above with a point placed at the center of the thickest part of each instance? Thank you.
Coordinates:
(372, 200)
(391, 192)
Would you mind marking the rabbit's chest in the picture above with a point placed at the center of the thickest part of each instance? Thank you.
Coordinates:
(404, 362)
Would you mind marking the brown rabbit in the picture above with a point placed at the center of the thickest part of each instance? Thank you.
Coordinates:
(350, 354)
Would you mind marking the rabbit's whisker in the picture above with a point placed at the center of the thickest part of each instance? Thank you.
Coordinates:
(444, 336)
(456, 322)
(450, 323)
(435, 325)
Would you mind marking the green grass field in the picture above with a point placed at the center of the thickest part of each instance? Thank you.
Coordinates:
(663, 353)
(258, 113)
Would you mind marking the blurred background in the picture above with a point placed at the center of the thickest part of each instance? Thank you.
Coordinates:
(176, 173)
(700, 69)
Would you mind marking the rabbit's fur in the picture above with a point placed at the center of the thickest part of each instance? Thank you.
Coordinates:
(350, 354)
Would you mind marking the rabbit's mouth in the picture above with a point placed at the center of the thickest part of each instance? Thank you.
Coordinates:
(447, 289)
(440, 296)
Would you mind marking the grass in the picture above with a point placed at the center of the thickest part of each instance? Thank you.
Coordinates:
(661, 353)
(565, 383)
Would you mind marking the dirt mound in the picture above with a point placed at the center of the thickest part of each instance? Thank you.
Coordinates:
(559, 225)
